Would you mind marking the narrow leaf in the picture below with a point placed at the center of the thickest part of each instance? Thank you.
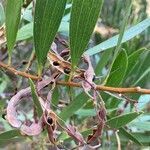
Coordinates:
(48, 15)
(122, 120)
(104, 58)
(138, 76)
(13, 13)
(84, 15)
(55, 96)
(133, 59)
(112, 42)
(75, 105)
(36, 99)
(143, 101)
(9, 134)
(118, 69)
(2, 15)
(123, 26)
(142, 137)
(130, 136)
(118, 47)
(25, 32)
(144, 126)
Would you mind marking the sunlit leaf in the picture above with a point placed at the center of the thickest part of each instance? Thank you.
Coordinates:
(128, 34)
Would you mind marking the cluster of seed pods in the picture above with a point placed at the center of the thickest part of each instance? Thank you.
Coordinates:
(49, 119)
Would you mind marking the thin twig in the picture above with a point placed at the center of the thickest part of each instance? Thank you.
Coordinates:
(118, 140)
(32, 57)
(73, 84)
(16, 72)
(110, 89)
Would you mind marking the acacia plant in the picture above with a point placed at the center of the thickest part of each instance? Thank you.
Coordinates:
(64, 83)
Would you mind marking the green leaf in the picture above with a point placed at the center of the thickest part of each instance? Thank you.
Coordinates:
(13, 14)
(74, 105)
(3, 81)
(143, 101)
(129, 135)
(48, 15)
(104, 58)
(27, 14)
(55, 96)
(122, 120)
(133, 59)
(123, 26)
(138, 75)
(116, 76)
(143, 70)
(145, 73)
(118, 47)
(112, 42)
(64, 28)
(2, 14)
(144, 138)
(36, 99)
(9, 134)
(25, 32)
(86, 112)
(84, 15)
(118, 69)
(142, 126)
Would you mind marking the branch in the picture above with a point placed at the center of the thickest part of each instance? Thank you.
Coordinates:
(73, 84)
(16, 72)
(110, 89)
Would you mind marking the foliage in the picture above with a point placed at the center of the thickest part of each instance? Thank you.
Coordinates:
(62, 31)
